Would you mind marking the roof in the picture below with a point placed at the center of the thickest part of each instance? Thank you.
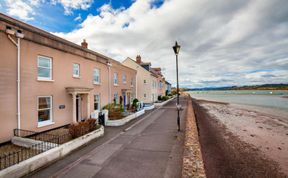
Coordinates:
(152, 73)
(167, 82)
(145, 63)
(29, 28)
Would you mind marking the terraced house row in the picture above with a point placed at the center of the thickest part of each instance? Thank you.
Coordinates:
(47, 82)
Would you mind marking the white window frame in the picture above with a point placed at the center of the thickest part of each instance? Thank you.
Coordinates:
(47, 122)
(124, 77)
(99, 101)
(50, 69)
(115, 78)
(99, 76)
(116, 98)
(76, 75)
(132, 82)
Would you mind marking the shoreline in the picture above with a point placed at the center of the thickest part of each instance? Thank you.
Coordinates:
(258, 136)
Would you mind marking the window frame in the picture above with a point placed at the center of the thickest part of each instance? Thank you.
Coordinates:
(124, 77)
(76, 75)
(115, 79)
(50, 69)
(99, 101)
(47, 122)
(99, 76)
(116, 98)
(132, 82)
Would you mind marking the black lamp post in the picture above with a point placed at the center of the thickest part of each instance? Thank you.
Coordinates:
(176, 49)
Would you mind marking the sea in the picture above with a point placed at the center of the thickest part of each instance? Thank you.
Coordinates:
(277, 99)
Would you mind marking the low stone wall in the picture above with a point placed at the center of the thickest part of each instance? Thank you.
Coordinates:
(29, 165)
(123, 121)
(193, 165)
(163, 103)
(147, 108)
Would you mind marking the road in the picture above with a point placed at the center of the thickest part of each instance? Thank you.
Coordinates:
(150, 147)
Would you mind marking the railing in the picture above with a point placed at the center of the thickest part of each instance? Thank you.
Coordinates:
(43, 143)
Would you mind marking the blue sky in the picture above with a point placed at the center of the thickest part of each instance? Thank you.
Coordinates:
(239, 42)
(50, 17)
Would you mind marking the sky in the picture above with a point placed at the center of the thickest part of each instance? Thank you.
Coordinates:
(223, 43)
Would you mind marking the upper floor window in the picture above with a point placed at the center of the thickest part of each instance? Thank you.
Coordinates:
(132, 82)
(96, 76)
(124, 78)
(145, 81)
(76, 70)
(44, 68)
(115, 79)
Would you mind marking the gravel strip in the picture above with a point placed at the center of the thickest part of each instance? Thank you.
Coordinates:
(192, 158)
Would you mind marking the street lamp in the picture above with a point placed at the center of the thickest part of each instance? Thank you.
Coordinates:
(176, 49)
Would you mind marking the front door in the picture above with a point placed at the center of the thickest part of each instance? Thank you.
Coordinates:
(78, 108)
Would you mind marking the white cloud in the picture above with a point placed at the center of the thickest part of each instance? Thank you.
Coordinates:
(70, 5)
(78, 18)
(221, 40)
(22, 9)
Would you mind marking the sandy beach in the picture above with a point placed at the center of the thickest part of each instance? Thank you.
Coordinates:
(258, 134)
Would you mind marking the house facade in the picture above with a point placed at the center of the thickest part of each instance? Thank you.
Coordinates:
(150, 81)
(48, 82)
(147, 86)
(168, 87)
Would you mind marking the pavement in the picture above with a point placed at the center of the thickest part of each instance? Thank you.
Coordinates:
(150, 146)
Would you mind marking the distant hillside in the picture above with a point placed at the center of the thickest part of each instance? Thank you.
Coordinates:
(250, 87)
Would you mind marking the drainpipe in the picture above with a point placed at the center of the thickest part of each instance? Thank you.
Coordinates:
(19, 35)
(18, 85)
(136, 79)
(136, 85)
(109, 82)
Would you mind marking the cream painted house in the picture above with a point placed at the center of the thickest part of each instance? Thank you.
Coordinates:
(146, 82)
(153, 86)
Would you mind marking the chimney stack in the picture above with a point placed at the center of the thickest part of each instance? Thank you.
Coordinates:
(138, 59)
(84, 44)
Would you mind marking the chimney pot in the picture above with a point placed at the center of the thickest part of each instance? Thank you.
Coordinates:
(84, 44)
(138, 59)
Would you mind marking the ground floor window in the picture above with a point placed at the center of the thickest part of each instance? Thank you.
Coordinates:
(44, 109)
(115, 99)
(97, 102)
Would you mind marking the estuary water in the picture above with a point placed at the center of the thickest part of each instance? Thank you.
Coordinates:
(277, 99)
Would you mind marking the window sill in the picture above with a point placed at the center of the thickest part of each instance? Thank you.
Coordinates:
(95, 83)
(45, 80)
(116, 85)
(45, 123)
(76, 77)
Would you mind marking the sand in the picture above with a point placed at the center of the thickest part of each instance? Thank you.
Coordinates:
(265, 129)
